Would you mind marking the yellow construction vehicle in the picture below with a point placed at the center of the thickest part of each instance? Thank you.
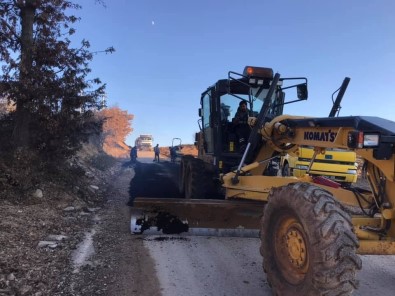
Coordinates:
(336, 164)
(311, 229)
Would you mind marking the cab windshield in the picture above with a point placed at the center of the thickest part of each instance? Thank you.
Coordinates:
(230, 102)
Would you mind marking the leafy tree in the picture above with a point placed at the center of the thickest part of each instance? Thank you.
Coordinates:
(47, 78)
(117, 124)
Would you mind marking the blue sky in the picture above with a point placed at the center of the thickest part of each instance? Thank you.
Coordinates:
(169, 52)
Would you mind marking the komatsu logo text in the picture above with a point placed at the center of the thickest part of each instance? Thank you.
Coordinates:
(328, 136)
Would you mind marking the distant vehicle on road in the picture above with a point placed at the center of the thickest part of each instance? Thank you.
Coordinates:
(144, 142)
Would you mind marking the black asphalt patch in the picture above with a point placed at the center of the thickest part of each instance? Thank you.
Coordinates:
(156, 180)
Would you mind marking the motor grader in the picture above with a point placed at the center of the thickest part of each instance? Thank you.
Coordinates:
(311, 228)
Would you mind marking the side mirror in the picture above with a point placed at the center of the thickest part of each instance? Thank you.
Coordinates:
(200, 112)
(302, 91)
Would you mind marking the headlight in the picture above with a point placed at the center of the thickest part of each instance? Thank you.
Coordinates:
(359, 140)
(370, 140)
(352, 172)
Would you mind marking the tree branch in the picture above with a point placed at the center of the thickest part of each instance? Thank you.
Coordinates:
(10, 28)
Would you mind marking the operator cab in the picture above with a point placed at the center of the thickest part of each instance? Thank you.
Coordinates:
(220, 102)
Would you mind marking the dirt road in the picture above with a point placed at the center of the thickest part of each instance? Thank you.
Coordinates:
(183, 265)
(232, 266)
(207, 265)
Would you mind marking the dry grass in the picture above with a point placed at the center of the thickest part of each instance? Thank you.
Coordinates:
(116, 149)
(187, 149)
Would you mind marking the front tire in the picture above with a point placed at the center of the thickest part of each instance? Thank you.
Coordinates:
(307, 243)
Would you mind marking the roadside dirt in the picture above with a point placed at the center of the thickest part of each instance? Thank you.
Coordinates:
(59, 244)
(120, 265)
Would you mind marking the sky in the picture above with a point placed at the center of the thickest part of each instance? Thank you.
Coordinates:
(170, 51)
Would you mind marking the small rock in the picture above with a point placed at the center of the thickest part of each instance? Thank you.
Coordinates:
(89, 174)
(94, 187)
(56, 237)
(53, 246)
(69, 209)
(25, 290)
(38, 193)
(11, 277)
(50, 244)
(92, 210)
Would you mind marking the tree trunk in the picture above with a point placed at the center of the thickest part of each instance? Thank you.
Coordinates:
(23, 116)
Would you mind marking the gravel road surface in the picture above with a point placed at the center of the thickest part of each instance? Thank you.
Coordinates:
(207, 265)
(232, 266)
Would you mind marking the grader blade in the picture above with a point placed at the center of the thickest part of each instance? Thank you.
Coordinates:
(196, 217)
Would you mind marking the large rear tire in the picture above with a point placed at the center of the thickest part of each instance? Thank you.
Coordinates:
(194, 179)
(181, 178)
(307, 243)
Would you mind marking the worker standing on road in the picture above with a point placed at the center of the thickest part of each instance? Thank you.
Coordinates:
(133, 154)
(156, 150)
(240, 122)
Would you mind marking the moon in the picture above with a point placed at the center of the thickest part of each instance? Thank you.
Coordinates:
(153, 23)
